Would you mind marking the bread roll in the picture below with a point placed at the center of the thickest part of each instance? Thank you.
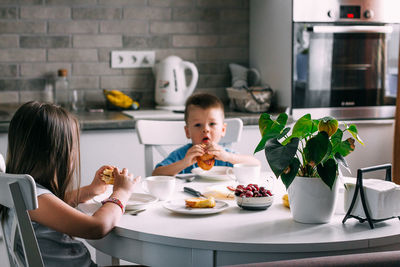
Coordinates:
(206, 161)
(200, 202)
(107, 176)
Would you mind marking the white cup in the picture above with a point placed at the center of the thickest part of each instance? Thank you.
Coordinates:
(245, 173)
(161, 187)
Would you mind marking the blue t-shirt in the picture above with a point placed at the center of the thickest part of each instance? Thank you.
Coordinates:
(180, 153)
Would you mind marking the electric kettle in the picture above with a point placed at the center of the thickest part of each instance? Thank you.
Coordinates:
(171, 89)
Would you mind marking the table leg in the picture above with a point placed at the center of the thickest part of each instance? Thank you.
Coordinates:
(202, 257)
(105, 259)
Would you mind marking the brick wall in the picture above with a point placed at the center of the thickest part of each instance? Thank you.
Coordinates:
(37, 37)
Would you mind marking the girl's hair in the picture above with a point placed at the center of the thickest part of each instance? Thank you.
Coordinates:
(204, 101)
(43, 141)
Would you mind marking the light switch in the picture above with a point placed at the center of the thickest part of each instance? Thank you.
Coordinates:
(132, 59)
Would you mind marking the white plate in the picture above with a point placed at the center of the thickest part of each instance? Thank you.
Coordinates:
(136, 201)
(220, 191)
(178, 206)
(217, 173)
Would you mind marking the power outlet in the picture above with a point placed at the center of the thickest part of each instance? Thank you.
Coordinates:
(132, 59)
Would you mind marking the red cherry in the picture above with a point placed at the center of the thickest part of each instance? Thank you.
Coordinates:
(249, 194)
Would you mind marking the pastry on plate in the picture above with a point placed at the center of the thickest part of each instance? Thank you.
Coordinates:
(200, 202)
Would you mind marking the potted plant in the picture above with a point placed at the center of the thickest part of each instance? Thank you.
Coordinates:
(307, 161)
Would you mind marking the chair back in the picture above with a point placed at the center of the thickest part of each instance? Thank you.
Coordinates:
(155, 135)
(18, 193)
(2, 164)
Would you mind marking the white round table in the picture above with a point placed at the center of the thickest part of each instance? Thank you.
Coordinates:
(159, 237)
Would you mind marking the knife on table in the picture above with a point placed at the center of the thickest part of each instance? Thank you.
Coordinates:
(193, 192)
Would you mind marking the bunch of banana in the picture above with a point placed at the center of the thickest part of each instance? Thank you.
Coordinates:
(285, 200)
(120, 100)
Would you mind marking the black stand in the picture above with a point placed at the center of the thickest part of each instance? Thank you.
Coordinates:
(359, 187)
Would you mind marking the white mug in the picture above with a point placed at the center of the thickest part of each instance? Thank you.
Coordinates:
(161, 187)
(245, 173)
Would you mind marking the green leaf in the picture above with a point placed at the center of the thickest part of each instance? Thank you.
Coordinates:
(303, 127)
(270, 128)
(353, 131)
(328, 172)
(344, 148)
(264, 122)
(283, 133)
(316, 148)
(314, 126)
(341, 160)
(328, 153)
(278, 156)
(336, 139)
(264, 139)
(282, 119)
(287, 178)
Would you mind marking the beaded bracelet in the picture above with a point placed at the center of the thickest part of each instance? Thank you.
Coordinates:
(115, 201)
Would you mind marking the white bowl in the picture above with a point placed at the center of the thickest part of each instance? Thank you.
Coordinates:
(254, 203)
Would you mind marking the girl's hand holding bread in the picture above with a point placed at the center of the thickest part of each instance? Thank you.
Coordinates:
(123, 186)
(124, 181)
(98, 186)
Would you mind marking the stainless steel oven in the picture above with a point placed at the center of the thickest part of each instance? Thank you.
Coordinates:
(343, 57)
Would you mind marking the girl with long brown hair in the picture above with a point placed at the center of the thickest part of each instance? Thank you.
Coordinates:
(43, 141)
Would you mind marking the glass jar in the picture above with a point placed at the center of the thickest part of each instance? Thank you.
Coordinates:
(62, 89)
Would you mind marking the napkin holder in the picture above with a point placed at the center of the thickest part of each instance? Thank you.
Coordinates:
(359, 188)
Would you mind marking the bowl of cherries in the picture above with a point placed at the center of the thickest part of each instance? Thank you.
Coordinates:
(253, 197)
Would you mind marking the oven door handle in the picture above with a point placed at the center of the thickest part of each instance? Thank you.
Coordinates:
(351, 29)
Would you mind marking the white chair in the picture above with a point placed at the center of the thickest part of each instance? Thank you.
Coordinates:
(2, 164)
(158, 134)
(18, 192)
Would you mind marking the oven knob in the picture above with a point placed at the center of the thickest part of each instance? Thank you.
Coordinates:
(368, 14)
(330, 13)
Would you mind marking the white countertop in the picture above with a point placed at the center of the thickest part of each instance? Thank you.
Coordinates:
(154, 114)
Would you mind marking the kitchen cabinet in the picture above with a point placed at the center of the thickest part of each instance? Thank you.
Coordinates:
(119, 147)
(378, 137)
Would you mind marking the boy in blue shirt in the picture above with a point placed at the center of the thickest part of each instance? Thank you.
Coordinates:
(204, 117)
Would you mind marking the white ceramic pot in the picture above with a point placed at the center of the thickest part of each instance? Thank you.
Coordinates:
(311, 200)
